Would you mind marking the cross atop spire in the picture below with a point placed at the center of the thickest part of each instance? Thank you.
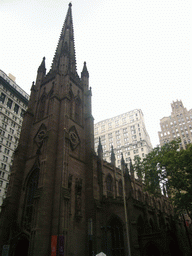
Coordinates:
(66, 45)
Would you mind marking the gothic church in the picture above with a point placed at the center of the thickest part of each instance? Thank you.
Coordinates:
(63, 198)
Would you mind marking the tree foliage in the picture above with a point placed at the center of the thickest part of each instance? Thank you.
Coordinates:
(168, 169)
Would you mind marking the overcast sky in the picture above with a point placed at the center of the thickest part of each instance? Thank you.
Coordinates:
(138, 52)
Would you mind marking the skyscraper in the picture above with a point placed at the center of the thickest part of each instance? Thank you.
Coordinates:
(13, 104)
(126, 133)
(177, 125)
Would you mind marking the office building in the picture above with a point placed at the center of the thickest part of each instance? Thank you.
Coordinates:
(13, 104)
(126, 133)
(177, 125)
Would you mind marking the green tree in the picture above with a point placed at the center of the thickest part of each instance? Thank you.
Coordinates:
(169, 169)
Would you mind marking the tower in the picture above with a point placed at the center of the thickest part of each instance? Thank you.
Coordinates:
(177, 125)
(51, 160)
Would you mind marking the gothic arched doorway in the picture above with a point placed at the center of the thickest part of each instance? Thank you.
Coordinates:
(115, 238)
(174, 249)
(151, 250)
(22, 247)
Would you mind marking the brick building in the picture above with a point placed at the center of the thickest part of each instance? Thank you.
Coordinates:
(63, 198)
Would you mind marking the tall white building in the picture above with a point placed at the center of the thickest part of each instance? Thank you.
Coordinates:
(13, 103)
(177, 125)
(126, 133)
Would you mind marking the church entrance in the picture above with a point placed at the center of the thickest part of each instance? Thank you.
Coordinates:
(151, 250)
(115, 238)
(22, 247)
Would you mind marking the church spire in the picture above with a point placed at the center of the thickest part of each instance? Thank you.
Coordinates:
(66, 45)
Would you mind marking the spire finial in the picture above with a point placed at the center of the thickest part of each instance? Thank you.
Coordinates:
(122, 159)
(100, 149)
(66, 44)
(42, 67)
(85, 71)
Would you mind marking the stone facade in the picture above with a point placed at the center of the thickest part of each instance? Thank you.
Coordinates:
(61, 191)
(177, 125)
(126, 133)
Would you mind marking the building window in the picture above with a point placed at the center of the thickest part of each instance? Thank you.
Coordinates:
(1, 183)
(2, 132)
(5, 158)
(109, 125)
(103, 128)
(7, 151)
(2, 97)
(4, 126)
(124, 120)
(3, 166)
(23, 112)
(9, 103)
(10, 137)
(16, 109)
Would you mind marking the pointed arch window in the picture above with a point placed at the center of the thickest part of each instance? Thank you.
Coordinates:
(32, 185)
(120, 187)
(109, 183)
(71, 106)
(42, 107)
(78, 110)
(140, 225)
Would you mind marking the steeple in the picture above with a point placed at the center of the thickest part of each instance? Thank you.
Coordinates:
(66, 45)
